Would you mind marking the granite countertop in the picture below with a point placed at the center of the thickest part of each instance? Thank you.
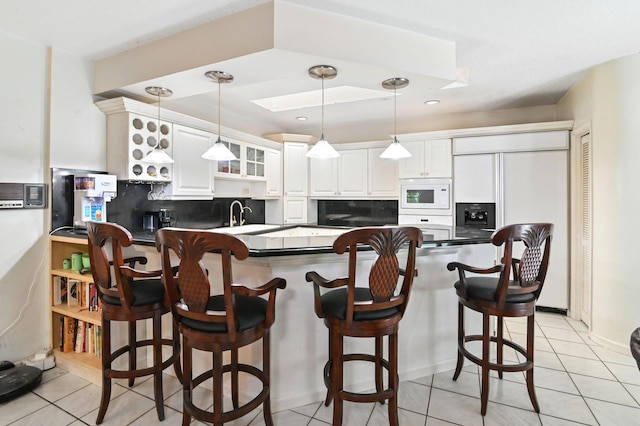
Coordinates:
(261, 244)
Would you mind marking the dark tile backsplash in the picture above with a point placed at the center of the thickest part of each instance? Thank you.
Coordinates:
(129, 207)
(357, 212)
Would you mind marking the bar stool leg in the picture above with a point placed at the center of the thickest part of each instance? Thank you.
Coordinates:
(337, 380)
(393, 379)
(217, 388)
(486, 341)
(266, 368)
(378, 365)
(499, 345)
(460, 362)
(133, 358)
(234, 378)
(327, 374)
(176, 349)
(106, 370)
(187, 377)
(530, 352)
(157, 362)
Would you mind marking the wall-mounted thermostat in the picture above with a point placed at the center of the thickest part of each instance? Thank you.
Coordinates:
(23, 195)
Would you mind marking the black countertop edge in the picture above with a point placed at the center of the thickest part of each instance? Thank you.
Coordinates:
(147, 238)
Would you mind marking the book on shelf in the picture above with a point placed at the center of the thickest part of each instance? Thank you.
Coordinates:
(59, 290)
(80, 332)
(93, 298)
(73, 292)
(62, 333)
(69, 335)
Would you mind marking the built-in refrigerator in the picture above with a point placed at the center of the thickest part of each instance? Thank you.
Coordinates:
(527, 186)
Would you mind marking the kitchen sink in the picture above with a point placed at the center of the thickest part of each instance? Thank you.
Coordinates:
(245, 229)
(304, 231)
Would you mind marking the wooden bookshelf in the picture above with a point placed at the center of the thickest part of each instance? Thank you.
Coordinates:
(83, 364)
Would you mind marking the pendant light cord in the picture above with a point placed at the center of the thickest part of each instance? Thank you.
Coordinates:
(219, 96)
(395, 113)
(322, 121)
(158, 142)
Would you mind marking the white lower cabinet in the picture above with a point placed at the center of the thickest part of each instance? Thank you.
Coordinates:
(295, 209)
(192, 174)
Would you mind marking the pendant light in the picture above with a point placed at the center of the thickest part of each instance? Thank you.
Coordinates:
(219, 151)
(322, 148)
(395, 150)
(158, 155)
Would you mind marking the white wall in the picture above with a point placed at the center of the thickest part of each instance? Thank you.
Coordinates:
(609, 96)
(78, 127)
(46, 98)
(23, 251)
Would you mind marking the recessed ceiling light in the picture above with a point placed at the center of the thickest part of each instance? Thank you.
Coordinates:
(432, 102)
(301, 118)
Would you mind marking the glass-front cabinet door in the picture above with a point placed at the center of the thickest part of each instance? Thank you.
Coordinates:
(255, 161)
(250, 163)
(231, 167)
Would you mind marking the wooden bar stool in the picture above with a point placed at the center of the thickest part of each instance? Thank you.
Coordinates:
(512, 294)
(373, 310)
(136, 295)
(216, 323)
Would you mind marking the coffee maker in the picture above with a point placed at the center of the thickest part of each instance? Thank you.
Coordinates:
(91, 193)
(156, 219)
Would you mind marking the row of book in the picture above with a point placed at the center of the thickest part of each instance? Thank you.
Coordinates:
(80, 336)
(72, 292)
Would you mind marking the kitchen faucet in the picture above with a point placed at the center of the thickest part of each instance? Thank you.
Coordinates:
(241, 213)
(232, 218)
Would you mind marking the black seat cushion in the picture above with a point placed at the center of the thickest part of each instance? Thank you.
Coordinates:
(484, 288)
(145, 292)
(251, 311)
(334, 304)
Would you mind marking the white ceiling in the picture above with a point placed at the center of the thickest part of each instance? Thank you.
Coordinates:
(518, 53)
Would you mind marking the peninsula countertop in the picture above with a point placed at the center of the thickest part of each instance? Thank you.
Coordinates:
(287, 240)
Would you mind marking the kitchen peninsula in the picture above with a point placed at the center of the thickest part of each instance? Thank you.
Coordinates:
(299, 340)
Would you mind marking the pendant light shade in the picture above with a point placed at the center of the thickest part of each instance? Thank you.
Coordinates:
(395, 149)
(322, 148)
(219, 151)
(158, 155)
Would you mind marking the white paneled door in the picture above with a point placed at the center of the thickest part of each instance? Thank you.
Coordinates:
(535, 189)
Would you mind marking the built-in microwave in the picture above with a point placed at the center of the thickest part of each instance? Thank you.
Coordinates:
(425, 194)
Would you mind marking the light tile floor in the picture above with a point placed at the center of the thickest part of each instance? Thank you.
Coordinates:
(578, 382)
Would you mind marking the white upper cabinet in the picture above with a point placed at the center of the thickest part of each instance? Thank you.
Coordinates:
(192, 174)
(274, 173)
(344, 176)
(323, 177)
(295, 169)
(132, 136)
(352, 173)
(357, 173)
(250, 163)
(383, 175)
(429, 159)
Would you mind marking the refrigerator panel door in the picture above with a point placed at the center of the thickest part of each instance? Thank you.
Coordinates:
(475, 178)
(535, 189)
